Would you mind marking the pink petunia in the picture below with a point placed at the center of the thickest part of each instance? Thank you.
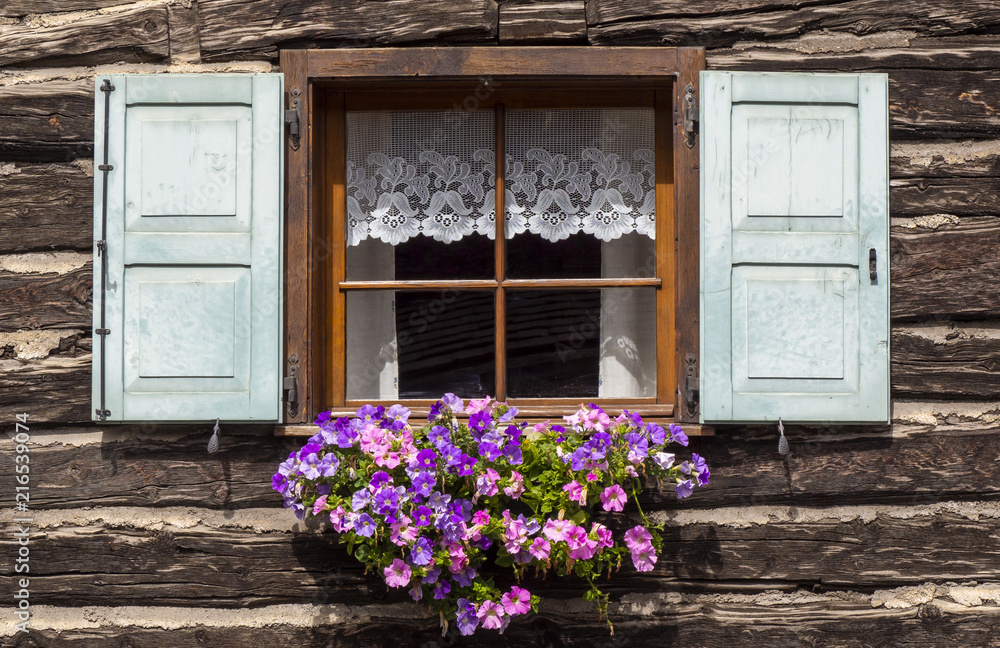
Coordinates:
(490, 615)
(540, 548)
(555, 530)
(603, 533)
(636, 536)
(577, 492)
(478, 405)
(643, 557)
(517, 602)
(481, 518)
(397, 574)
(319, 505)
(613, 498)
(516, 487)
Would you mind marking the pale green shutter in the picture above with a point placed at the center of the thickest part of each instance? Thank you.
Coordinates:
(192, 296)
(794, 200)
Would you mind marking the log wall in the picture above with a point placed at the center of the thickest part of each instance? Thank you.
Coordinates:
(859, 537)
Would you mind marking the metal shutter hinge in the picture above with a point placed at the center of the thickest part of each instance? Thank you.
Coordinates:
(291, 386)
(690, 116)
(293, 118)
(691, 389)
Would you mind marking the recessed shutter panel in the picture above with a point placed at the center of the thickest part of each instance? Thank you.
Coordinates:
(794, 247)
(191, 268)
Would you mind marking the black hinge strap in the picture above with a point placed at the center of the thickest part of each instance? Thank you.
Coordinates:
(102, 249)
(690, 116)
(293, 118)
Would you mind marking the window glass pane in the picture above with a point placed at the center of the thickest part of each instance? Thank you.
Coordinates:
(446, 343)
(421, 258)
(420, 344)
(578, 172)
(581, 343)
(580, 256)
(419, 173)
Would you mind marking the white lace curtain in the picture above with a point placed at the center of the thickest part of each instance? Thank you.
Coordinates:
(413, 173)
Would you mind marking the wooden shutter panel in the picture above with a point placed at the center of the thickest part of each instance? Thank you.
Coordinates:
(794, 199)
(192, 296)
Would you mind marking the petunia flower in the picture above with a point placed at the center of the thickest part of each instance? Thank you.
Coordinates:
(365, 525)
(577, 491)
(613, 498)
(540, 548)
(490, 615)
(644, 557)
(518, 601)
(397, 574)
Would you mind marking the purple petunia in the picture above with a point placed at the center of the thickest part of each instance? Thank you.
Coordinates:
(421, 552)
(364, 525)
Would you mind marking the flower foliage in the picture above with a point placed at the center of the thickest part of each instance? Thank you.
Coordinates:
(426, 507)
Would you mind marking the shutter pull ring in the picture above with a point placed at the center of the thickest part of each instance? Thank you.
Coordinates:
(213, 443)
(782, 441)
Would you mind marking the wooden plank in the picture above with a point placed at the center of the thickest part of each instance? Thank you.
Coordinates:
(722, 24)
(563, 63)
(950, 271)
(29, 301)
(299, 239)
(55, 389)
(47, 121)
(258, 28)
(943, 361)
(726, 621)
(666, 256)
(198, 565)
(687, 224)
(543, 21)
(45, 207)
(136, 35)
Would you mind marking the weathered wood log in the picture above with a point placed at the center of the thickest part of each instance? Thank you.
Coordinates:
(843, 52)
(29, 301)
(54, 389)
(954, 366)
(951, 271)
(134, 35)
(47, 121)
(185, 40)
(25, 7)
(725, 622)
(45, 207)
(257, 28)
(938, 361)
(158, 466)
(534, 21)
(147, 560)
(944, 158)
(961, 196)
(715, 24)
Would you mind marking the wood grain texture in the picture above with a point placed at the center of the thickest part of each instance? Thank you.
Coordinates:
(726, 622)
(200, 565)
(951, 195)
(951, 271)
(956, 363)
(25, 7)
(47, 121)
(534, 21)
(45, 207)
(721, 24)
(945, 158)
(259, 27)
(185, 40)
(55, 389)
(135, 35)
(29, 301)
(846, 465)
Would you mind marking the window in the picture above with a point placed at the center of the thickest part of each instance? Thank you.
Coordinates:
(416, 289)
(399, 280)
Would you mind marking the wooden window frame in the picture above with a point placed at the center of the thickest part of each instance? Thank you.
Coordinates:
(315, 251)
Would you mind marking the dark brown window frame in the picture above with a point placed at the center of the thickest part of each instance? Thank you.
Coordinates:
(314, 249)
